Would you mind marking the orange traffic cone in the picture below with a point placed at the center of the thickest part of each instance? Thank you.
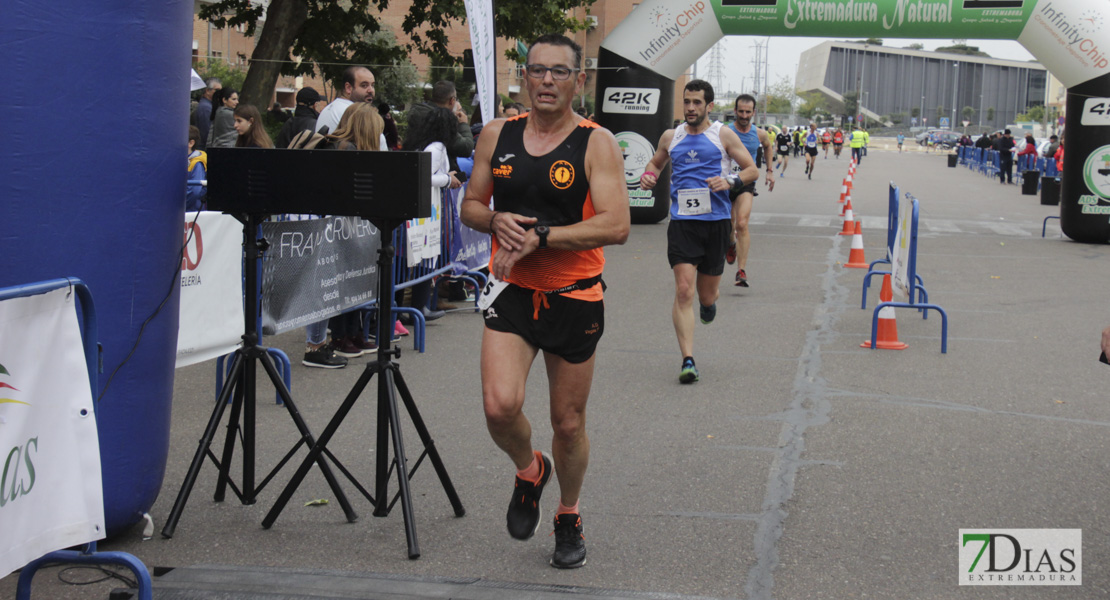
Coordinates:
(886, 338)
(855, 256)
(848, 181)
(847, 205)
(849, 220)
(843, 191)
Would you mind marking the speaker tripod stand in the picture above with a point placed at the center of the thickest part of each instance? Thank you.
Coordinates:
(239, 386)
(390, 383)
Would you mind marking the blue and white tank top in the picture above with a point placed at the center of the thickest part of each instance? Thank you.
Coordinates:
(811, 139)
(694, 159)
(751, 142)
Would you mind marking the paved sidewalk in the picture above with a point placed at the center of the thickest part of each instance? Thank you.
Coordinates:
(800, 466)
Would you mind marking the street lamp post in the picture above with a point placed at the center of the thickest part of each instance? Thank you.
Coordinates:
(922, 113)
(955, 84)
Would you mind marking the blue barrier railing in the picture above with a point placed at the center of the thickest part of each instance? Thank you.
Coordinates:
(911, 273)
(88, 555)
(892, 235)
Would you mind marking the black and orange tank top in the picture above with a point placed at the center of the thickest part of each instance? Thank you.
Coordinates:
(554, 189)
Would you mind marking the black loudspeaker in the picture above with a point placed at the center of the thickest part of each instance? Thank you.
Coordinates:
(369, 184)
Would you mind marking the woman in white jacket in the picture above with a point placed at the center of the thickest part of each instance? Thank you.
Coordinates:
(430, 134)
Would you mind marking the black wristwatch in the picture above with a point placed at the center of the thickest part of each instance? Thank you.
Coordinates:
(542, 231)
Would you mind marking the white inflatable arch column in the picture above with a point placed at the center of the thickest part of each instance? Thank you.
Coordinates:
(642, 57)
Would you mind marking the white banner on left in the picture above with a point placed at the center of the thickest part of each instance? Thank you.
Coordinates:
(211, 321)
(50, 495)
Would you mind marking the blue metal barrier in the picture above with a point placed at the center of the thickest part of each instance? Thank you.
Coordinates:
(924, 306)
(89, 336)
(891, 234)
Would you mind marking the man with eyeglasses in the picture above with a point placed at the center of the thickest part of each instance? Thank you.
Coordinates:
(701, 215)
(557, 181)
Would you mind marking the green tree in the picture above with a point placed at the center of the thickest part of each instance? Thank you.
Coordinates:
(916, 46)
(1033, 113)
(780, 98)
(968, 113)
(915, 112)
(813, 103)
(896, 118)
(851, 104)
(940, 112)
(990, 115)
(230, 76)
(327, 35)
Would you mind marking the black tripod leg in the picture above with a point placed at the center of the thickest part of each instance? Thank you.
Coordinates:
(385, 386)
(429, 444)
(317, 449)
(202, 446)
(325, 468)
(232, 428)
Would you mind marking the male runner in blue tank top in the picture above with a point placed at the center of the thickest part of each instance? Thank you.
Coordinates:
(810, 141)
(754, 139)
(701, 218)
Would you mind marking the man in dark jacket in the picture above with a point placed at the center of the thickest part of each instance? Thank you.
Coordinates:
(443, 94)
(304, 117)
(1005, 147)
(202, 116)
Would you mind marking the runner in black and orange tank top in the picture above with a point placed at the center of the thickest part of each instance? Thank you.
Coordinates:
(559, 195)
(552, 188)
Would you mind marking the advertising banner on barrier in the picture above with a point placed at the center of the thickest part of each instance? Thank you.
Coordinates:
(316, 269)
(470, 250)
(903, 246)
(50, 495)
(423, 236)
(211, 313)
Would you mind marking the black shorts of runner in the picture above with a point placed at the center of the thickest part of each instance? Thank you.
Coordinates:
(784, 153)
(837, 146)
(699, 243)
(567, 327)
(734, 193)
(811, 151)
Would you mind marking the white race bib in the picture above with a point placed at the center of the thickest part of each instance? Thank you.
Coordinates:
(490, 291)
(694, 202)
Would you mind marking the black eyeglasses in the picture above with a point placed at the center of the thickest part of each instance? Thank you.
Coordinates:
(557, 73)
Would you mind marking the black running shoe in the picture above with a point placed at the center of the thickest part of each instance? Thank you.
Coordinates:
(570, 544)
(708, 313)
(524, 510)
(689, 372)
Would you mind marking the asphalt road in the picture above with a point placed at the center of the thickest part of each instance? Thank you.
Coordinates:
(800, 466)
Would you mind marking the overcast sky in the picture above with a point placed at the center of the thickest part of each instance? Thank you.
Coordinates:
(738, 52)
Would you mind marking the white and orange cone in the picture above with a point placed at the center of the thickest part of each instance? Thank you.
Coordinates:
(843, 190)
(855, 256)
(847, 205)
(849, 220)
(848, 183)
(886, 338)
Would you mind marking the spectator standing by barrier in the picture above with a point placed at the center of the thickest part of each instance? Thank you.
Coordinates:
(360, 128)
(559, 194)
(431, 132)
(461, 142)
(202, 116)
(248, 124)
(856, 143)
(700, 226)
(742, 196)
(223, 134)
(356, 85)
(304, 117)
(1005, 147)
(1030, 149)
(1053, 144)
(198, 171)
(1059, 156)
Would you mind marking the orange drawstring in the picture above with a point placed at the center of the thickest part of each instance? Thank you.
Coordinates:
(538, 298)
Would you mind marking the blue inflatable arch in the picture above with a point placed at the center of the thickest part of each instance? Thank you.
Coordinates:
(95, 124)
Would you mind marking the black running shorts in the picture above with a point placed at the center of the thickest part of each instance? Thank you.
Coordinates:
(734, 193)
(567, 327)
(811, 151)
(699, 243)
